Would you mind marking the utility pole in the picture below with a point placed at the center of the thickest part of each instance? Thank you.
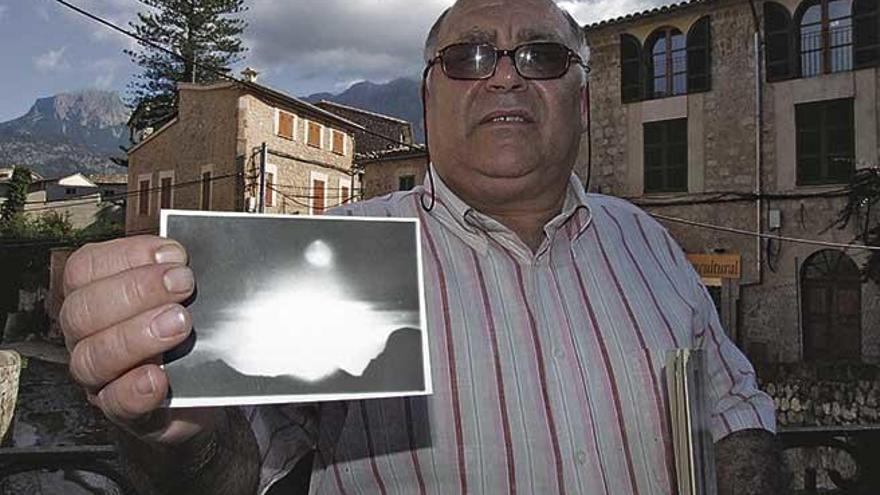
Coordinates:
(264, 151)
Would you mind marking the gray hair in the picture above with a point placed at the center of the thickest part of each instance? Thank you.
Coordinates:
(582, 48)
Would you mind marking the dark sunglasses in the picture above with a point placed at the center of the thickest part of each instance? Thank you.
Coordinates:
(540, 60)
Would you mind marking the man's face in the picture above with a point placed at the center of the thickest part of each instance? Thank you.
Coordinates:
(481, 156)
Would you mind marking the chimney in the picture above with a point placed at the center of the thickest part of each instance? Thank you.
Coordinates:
(250, 75)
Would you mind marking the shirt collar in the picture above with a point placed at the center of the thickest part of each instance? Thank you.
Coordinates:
(475, 228)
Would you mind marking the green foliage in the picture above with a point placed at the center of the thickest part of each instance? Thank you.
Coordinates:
(205, 35)
(860, 211)
(51, 225)
(17, 195)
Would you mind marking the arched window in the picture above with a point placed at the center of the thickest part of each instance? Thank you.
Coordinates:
(831, 298)
(866, 27)
(667, 63)
(826, 36)
(779, 44)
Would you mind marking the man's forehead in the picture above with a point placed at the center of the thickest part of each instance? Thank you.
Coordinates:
(481, 20)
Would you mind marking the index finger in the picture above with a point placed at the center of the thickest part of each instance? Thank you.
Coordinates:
(96, 261)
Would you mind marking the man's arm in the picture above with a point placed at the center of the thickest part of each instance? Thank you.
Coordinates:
(222, 461)
(748, 462)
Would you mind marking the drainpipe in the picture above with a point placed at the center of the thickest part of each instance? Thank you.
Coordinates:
(759, 145)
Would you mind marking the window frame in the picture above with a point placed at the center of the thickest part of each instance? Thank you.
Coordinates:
(270, 198)
(665, 149)
(279, 114)
(667, 33)
(310, 125)
(826, 50)
(142, 193)
(166, 174)
(317, 177)
(203, 205)
(409, 178)
(825, 108)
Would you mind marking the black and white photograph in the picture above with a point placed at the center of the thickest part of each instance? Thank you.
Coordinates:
(299, 309)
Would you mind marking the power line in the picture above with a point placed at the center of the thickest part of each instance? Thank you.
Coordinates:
(780, 238)
(210, 69)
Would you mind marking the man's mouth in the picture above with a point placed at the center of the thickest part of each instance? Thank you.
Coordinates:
(507, 117)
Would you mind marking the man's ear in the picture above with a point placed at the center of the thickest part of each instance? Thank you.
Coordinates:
(585, 107)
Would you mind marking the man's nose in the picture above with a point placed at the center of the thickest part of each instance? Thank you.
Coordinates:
(506, 78)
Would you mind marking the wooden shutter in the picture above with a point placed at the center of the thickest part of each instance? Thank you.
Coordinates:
(285, 125)
(780, 52)
(338, 143)
(270, 184)
(314, 135)
(631, 69)
(345, 194)
(144, 198)
(866, 27)
(165, 201)
(318, 197)
(699, 59)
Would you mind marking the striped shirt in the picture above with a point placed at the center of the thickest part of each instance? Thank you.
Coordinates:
(546, 365)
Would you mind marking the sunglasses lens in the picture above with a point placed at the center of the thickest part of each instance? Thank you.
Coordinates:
(542, 60)
(469, 61)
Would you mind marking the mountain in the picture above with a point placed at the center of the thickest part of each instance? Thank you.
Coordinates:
(399, 98)
(67, 133)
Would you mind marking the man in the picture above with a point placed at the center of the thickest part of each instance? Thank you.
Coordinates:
(549, 314)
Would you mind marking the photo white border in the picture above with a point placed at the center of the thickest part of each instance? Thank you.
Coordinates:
(306, 398)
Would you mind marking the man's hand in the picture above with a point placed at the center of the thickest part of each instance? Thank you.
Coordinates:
(121, 312)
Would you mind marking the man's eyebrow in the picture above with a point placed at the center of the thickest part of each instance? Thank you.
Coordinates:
(529, 34)
(477, 35)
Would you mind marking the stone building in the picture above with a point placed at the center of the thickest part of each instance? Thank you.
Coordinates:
(751, 115)
(396, 169)
(396, 131)
(210, 156)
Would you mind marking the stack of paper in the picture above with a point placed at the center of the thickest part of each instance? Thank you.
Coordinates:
(689, 417)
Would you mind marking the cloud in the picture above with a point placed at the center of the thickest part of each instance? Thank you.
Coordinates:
(52, 60)
(104, 72)
(590, 11)
(377, 40)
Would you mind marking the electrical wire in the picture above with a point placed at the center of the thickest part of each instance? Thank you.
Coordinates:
(780, 238)
(210, 69)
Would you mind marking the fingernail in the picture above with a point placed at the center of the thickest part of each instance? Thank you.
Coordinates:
(144, 384)
(179, 280)
(170, 253)
(170, 323)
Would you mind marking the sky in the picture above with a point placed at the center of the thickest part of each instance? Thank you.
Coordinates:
(298, 46)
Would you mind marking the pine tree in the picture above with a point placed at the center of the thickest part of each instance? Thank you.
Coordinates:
(205, 35)
(17, 195)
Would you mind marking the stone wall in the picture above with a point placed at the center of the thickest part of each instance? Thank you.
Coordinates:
(722, 151)
(296, 162)
(203, 135)
(383, 176)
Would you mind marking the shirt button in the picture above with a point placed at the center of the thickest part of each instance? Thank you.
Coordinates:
(559, 353)
(581, 457)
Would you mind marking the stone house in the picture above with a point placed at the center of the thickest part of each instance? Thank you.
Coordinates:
(210, 156)
(751, 115)
(396, 169)
(397, 131)
(395, 163)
